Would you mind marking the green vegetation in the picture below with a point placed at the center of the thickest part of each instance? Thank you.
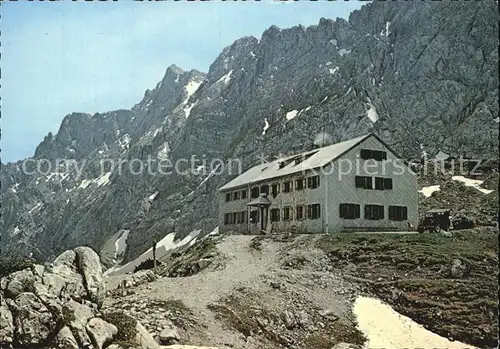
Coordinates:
(413, 274)
(184, 264)
(8, 267)
(251, 315)
(127, 329)
(172, 304)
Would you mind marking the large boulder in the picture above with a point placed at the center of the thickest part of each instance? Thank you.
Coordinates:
(33, 321)
(458, 269)
(54, 302)
(19, 282)
(65, 281)
(66, 258)
(144, 339)
(169, 336)
(131, 331)
(89, 266)
(65, 339)
(101, 332)
(6, 325)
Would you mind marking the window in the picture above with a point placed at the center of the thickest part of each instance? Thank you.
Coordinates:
(244, 194)
(254, 216)
(383, 183)
(236, 218)
(373, 154)
(299, 212)
(287, 187)
(227, 218)
(255, 192)
(313, 182)
(299, 184)
(287, 213)
(313, 211)
(398, 213)
(244, 216)
(275, 214)
(236, 195)
(264, 189)
(363, 182)
(228, 197)
(374, 212)
(350, 211)
(275, 189)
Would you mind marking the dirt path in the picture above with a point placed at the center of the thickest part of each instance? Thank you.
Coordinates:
(243, 266)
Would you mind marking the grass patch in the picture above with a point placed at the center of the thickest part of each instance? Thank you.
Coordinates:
(172, 304)
(184, 264)
(418, 267)
(127, 329)
(251, 315)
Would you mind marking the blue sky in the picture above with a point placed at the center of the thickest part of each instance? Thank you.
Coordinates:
(65, 57)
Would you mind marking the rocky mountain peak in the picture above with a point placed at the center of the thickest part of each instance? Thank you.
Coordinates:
(419, 75)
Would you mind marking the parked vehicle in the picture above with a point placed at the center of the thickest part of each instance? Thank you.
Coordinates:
(435, 220)
(462, 223)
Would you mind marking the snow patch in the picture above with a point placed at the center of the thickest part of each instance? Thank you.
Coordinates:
(291, 114)
(371, 113)
(225, 78)
(153, 196)
(396, 330)
(441, 156)
(37, 206)
(163, 152)
(214, 232)
(103, 179)
(497, 120)
(85, 184)
(124, 142)
(344, 51)
(187, 110)
(121, 246)
(328, 63)
(386, 32)
(266, 126)
(333, 70)
(252, 54)
(427, 191)
(191, 88)
(475, 183)
(165, 245)
(210, 175)
(16, 231)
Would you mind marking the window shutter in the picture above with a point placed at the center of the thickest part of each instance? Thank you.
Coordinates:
(388, 183)
(381, 212)
(368, 183)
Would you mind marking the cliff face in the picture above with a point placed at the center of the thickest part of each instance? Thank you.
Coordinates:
(420, 75)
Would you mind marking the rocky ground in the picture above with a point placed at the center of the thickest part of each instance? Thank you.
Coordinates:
(463, 201)
(285, 291)
(258, 292)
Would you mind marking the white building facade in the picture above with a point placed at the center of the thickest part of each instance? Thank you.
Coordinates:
(355, 185)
